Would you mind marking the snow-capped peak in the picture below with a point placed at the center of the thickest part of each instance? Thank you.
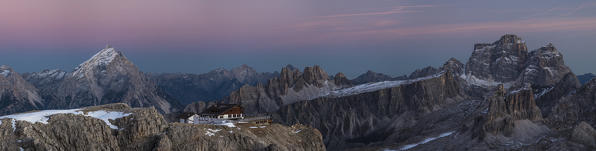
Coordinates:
(102, 58)
(4, 70)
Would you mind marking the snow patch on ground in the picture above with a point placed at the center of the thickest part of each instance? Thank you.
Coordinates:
(543, 92)
(211, 132)
(297, 131)
(43, 116)
(253, 127)
(40, 116)
(473, 80)
(227, 124)
(410, 146)
(526, 87)
(106, 116)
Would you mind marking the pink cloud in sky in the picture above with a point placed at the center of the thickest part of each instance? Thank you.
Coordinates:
(395, 10)
(530, 25)
(143, 21)
(255, 23)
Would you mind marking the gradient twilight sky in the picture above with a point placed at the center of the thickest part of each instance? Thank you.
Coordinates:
(351, 36)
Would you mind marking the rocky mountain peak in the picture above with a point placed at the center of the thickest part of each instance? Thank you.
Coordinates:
(243, 72)
(107, 77)
(100, 60)
(423, 72)
(5, 70)
(290, 67)
(370, 76)
(545, 67)
(341, 80)
(454, 66)
(312, 74)
(500, 61)
(500, 90)
(509, 39)
(549, 52)
(507, 109)
(339, 75)
(288, 74)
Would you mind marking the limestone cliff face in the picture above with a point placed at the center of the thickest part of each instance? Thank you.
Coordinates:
(146, 129)
(547, 97)
(508, 60)
(291, 86)
(504, 110)
(585, 134)
(501, 61)
(580, 106)
(348, 119)
(545, 67)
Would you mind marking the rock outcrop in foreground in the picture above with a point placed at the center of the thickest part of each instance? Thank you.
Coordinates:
(119, 127)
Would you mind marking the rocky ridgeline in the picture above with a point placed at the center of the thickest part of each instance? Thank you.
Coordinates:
(291, 86)
(107, 77)
(505, 98)
(146, 129)
(214, 85)
(509, 61)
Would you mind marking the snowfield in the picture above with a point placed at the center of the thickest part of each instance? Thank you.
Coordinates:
(43, 116)
(406, 147)
(370, 87)
(211, 132)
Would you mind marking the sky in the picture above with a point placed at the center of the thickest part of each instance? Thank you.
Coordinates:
(350, 36)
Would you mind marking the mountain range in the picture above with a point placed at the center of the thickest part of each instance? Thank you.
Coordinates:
(505, 97)
(584, 78)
